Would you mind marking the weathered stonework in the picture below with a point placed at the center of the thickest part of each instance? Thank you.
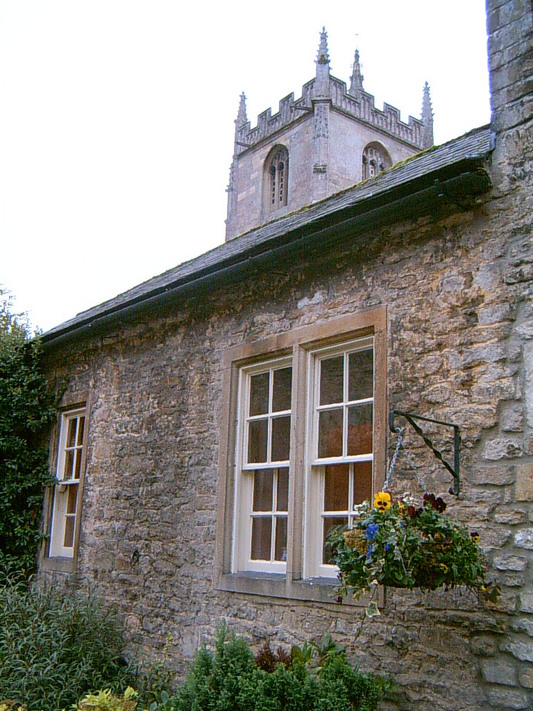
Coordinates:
(458, 289)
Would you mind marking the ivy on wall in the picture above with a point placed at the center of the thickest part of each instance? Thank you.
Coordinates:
(26, 411)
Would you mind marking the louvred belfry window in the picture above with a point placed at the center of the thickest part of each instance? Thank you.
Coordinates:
(278, 179)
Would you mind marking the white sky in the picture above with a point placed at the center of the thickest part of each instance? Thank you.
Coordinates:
(117, 120)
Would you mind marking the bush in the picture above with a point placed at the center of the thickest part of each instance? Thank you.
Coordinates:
(56, 646)
(26, 411)
(318, 678)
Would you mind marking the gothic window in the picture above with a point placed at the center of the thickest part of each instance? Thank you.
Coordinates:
(277, 179)
(375, 160)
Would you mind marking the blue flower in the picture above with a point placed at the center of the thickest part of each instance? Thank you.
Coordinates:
(369, 552)
(387, 547)
(371, 531)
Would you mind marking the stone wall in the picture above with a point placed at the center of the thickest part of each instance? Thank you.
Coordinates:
(458, 290)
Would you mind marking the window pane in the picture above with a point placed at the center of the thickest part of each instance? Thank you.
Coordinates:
(72, 497)
(330, 433)
(259, 394)
(360, 429)
(257, 441)
(263, 490)
(329, 524)
(261, 535)
(81, 428)
(77, 464)
(280, 552)
(71, 432)
(361, 375)
(362, 482)
(281, 395)
(68, 540)
(336, 486)
(281, 433)
(68, 472)
(331, 380)
(283, 490)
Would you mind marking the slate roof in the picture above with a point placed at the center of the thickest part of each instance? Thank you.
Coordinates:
(402, 180)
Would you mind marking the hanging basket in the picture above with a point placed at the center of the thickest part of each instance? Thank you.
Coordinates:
(402, 545)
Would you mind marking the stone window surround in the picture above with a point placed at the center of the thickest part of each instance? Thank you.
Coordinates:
(297, 344)
(63, 564)
(375, 160)
(276, 178)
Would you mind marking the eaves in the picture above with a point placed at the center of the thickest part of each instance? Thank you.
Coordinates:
(452, 174)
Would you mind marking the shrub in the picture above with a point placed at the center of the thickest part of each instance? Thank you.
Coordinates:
(56, 646)
(26, 410)
(318, 678)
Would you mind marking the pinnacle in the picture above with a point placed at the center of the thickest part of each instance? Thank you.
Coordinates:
(356, 80)
(242, 117)
(323, 56)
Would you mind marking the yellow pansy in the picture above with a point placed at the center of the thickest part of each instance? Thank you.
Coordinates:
(382, 501)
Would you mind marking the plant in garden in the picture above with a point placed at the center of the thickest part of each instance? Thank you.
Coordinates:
(398, 544)
(56, 646)
(318, 677)
(106, 700)
(26, 410)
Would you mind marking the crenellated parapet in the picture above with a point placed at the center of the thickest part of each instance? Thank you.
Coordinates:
(360, 106)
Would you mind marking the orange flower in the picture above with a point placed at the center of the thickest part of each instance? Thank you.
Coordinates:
(382, 501)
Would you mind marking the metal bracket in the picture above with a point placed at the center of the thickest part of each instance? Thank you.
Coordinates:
(454, 471)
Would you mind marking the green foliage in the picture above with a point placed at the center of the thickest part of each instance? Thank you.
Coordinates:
(400, 545)
(106, 700)
(56, 646)
(26, 410)
(318, 678)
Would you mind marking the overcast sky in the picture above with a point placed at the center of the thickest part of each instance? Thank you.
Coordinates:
(117, 120)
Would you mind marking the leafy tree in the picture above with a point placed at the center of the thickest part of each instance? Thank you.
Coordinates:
(26, 411)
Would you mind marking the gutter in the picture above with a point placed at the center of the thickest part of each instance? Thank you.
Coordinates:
(325, 229)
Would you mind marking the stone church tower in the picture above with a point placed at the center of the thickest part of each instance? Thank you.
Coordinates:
(329, 139)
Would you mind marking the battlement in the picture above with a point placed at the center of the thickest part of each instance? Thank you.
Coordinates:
(360, 106)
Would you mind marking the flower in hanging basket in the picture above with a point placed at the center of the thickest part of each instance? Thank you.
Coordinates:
(404, 546)
(382, 501)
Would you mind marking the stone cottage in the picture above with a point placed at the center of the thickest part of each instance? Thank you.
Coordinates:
(220, 418)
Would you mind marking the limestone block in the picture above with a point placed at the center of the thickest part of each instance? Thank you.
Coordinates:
(524, 481)
(512, 418)
(499, 671)
(502, 448)
(510, 562)
(524, 539)
(513, 517)
(520, 650)
(508, 699)
(524, 624)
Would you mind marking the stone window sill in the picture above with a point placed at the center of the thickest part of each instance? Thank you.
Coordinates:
(57, 565)
(280, 586)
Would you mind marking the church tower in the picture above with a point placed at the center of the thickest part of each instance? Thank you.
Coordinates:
(330, 138)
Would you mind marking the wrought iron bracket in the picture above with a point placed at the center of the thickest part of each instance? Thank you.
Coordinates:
(454, 471)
